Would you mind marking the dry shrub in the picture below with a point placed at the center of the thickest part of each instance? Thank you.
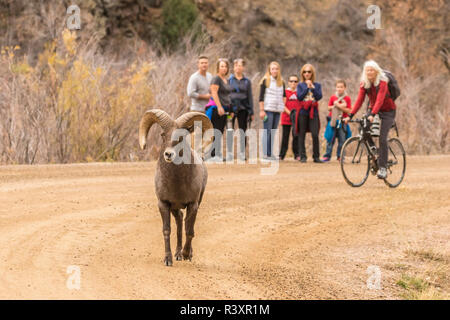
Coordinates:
(71, 106)
(78, 105)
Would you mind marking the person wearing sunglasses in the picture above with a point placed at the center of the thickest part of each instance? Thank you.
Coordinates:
(309, 93)
(292, 103)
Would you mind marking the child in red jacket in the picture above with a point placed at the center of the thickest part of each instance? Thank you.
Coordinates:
(339, 106)
(291, 103)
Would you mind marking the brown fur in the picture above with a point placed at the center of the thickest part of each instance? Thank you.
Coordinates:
(177, 186)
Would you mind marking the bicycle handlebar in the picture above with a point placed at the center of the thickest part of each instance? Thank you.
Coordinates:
(360, 120)
(352, 120)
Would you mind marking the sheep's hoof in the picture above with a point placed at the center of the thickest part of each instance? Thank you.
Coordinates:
(187, 256)
(178, 256)
(168, 261)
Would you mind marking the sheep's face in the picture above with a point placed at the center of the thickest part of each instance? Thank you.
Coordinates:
(170, 153)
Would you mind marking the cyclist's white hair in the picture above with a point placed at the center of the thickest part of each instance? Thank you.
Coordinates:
(380, 74)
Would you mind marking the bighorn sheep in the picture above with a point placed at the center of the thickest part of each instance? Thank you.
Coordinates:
(177, 186)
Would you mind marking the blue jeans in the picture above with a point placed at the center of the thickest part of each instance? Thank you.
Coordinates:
(340, 135)
(273, 118)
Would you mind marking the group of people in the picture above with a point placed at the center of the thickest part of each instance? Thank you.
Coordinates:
(296, 105)
(222, 95)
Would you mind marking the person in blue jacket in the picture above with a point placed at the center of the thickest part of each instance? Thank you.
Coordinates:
(309, 93)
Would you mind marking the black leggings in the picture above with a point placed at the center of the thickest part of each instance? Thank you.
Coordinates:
(304, 123)
(285, 141)
(218, 123)
(242, 117)
(387, 120)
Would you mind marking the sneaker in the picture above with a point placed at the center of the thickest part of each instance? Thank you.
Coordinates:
(273, 158)
(382, 173)
(318, 161)
(338, 158)
(303, 160)
(297, 158)
(325, 159)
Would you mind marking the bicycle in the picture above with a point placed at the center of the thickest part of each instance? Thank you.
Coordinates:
(359, 157)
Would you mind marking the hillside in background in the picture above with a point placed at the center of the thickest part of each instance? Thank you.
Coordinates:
(325, 31)
(159, 40)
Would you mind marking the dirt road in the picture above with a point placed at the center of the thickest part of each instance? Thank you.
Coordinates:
(300, 234)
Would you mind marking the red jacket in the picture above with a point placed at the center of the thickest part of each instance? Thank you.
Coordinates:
(378, 102)
(291, 103)
(346, 98)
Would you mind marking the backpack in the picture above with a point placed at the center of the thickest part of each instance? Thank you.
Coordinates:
(393, 88)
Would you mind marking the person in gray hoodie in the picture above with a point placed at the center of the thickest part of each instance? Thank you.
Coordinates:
(199, 84)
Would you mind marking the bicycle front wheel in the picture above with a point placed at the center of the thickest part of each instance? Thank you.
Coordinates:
(355, 161)
(396, 165)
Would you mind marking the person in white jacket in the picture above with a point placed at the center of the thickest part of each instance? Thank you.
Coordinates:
(272, 99)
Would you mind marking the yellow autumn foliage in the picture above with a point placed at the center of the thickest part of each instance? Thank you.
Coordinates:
(100, 105)
(91, 109)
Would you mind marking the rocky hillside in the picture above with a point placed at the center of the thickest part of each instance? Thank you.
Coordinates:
(266, 30)
(325, 31)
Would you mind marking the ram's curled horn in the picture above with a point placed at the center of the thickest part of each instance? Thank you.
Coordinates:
(151, 117)
(188, 120)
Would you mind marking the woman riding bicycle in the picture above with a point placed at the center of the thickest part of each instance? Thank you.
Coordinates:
(374, 83)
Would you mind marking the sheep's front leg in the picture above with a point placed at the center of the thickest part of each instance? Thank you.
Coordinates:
(164, 209)
(191, 214)
(178, 214)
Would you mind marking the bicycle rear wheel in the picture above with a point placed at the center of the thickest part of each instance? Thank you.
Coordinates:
(355, 162)
(396, 165)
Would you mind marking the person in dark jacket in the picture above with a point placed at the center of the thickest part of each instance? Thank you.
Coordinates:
(241, 97)
(309, 93)
(374, 83)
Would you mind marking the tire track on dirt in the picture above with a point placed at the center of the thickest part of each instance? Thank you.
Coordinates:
(302, 233)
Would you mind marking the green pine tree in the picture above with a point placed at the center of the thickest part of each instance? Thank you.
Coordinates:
(179, 17)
